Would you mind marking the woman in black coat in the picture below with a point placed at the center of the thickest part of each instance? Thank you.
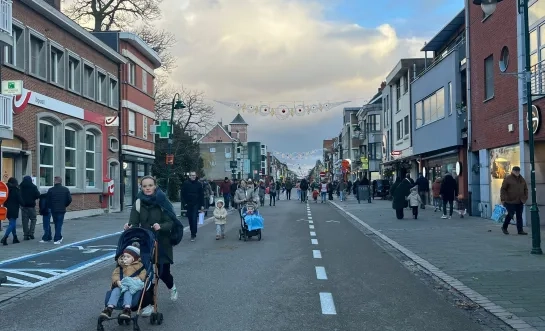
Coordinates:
(400, 191)
(449, 191)
(13, 203)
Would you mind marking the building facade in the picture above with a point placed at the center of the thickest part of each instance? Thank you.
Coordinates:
(350, 142)
(439, 102)
(6, 43)
(137, 108)
(370, 134)
(71, 87)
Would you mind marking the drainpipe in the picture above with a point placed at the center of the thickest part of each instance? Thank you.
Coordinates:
(468, 109)
(522, 124)
(119, 137)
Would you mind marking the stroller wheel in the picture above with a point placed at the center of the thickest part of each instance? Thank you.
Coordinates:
(159, 318)
(120, 321)
(127, 322)
(245, 237)
(153, 318)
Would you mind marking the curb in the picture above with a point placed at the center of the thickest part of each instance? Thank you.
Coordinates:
(509, 318)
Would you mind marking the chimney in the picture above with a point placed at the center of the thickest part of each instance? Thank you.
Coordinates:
(54, 3)
(382, 86)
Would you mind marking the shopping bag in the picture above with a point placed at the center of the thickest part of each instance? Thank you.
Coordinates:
(498, 214)
(211, 200)
(201, 218)
(267, 190)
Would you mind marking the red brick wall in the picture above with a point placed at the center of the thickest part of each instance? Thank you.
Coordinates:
(216, 133)
(491, 118)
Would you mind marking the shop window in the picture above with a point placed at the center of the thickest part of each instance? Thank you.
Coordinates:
(74, 74)
(89, 81)
(90, 161)
(70, 157)
(47, 154)
(38, 56)
(15, 55)
(102, 88)
(56, 65)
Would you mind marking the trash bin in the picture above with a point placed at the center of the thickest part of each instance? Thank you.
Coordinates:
(364, 193)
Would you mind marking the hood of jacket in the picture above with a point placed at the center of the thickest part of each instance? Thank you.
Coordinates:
(218, 200)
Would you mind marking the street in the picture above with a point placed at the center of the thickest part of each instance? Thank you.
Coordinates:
(313, 270)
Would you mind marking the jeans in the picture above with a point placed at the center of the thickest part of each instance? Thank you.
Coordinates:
(193, 217)
(437, 203)
(513, 208)
(272, 199)
(12, 225)
(116, 294)
(47, 227)
(58, 220)
(342, 195)
(220, 229)
(304, 195)
(323, 195)
(451, 204)
(226, 198)
(28, 214)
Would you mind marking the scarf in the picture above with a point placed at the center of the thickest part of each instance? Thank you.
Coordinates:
(159, 199)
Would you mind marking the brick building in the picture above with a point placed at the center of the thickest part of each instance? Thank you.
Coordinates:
(71, 85)
(137, 108)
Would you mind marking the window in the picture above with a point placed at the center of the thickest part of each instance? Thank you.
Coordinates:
(489, 77)
(399, 130)
(102, 88)
(74, 74)
(212, 150)
(47, 155)
(405, 84)
(132, 123)
(70, 148)
(114, 94)
(375, 151)
(131, 73)
(56, 68)
(373, 122)
(407, 125)
(535, 12)
(227, 166)
(398, 96)
(504, 59)
(38, 57)
(144, 81)
(15, 55)
(227, 152)
(90, 160)
(114, 144)
(144, 127)
(430, 109)
(450, 99)
(88, 81)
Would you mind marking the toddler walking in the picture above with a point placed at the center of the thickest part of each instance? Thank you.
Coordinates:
(127, 279)
(414, 201)
(220, 214)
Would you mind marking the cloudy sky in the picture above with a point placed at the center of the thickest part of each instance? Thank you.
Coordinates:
(285, 52)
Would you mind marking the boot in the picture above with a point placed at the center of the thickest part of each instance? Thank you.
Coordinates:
(15, 240)
(26, 237)
(218, 237)
(4, 241)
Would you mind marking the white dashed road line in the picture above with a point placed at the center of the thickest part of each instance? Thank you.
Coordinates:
(312, 234)
(328, 306)
(320, 273)
(311, 227)
(314, 241)
(316, 254)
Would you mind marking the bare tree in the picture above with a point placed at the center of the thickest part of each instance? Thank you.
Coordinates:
(105, 15)
(161, 41)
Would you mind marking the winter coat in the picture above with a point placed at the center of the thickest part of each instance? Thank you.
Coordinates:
(423, 185)
(193, 194)
(436, 188)
(220, 214)
(449, 188)
(342, 186)
(13, 202)
(261, 191)
(414, 198)
(514, 190)
(58, 198)
(42, 205)
(234, 188)
(246, 196)
(149, 215)
(304, 185)
(289, 185)
(225, 187)
(128, 270)
(400, 193)
(29, 192)
(272, 189)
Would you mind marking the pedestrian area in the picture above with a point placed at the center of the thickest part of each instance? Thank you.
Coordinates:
(472, 250)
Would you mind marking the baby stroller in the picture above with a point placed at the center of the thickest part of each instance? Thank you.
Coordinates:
(460, 203)
(148, 295)
(315, 195)
(250, 224)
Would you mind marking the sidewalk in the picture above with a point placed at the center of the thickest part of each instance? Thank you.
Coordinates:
(472, 250)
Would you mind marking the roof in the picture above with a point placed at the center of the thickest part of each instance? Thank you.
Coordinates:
(142, 47)
(442, 37)
(72, 27)
(402, 67)
(221, 127)
(238, 120)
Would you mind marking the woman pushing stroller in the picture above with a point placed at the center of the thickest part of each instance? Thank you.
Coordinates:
(246, 195)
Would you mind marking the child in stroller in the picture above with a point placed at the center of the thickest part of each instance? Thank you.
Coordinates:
(315, 195)
(251, 223)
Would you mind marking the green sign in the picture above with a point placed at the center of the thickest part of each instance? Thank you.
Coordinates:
(163, 129)
(12, 87)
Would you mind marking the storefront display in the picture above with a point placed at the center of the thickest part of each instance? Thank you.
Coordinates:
(502, 160)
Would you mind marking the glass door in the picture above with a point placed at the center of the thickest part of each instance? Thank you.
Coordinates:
(8, 168)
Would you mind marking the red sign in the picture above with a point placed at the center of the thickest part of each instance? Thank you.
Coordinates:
(170, 158)
(322, 174)
(3, 193)
(395, 153)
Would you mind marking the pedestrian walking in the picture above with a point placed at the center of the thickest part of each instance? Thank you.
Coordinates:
(152, 210)
(220, 216)
(415, 201)
(513, 195)
(289, 187)
(400, 190)
(12, 204)
(304, 190)
(278, 190)
(449, 190)
(423, 189)
(225, 191)
(272, 194)
(208, 195)
(233, 190)
(261, 193)
(58, 198)
(46, 218)
(246, 195)
(324, 191)
(193, 196)
(342, 187)
(29, 195)
(436, 191)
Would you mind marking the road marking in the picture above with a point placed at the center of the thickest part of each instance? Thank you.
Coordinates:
(310, 217)
(314, 241)
(310, 222)
(312, 234)
(26, 274)
(320, 273)
(311, 226)
(332, 221)
(328, 306)
(316, 254)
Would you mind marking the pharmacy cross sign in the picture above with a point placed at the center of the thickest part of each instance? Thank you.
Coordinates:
(163, 129)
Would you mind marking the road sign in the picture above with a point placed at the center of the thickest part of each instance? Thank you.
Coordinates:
(3, 213)
(233, 164)
(3, 193)
(12, 87)
(170, 159)
(163, 129)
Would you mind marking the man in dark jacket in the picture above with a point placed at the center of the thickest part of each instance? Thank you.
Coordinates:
(423, 189)
(449, 191)
(193, 196)
(513, 195)
(233, 190)
(58, 198)
(304, 190)
(225, 191)
(29, 194)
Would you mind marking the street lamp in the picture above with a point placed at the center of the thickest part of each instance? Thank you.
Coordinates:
(177, 104)
(488, 7)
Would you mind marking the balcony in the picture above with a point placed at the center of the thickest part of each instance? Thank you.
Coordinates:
(5, 17)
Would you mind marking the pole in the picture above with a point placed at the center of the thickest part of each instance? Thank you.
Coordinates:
(169, 165)
(534, 211)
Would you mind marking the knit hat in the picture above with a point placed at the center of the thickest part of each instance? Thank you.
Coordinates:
(27, 178)
(133, 250)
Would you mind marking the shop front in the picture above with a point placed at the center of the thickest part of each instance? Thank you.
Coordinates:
(453, 162)
(134, 168)
(502, 161)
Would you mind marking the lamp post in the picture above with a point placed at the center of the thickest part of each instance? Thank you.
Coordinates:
(488, 7)
(177, 103)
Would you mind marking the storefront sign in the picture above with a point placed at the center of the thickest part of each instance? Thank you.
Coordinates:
(12, 87)
(112, 121)
(536, 119)
(27, 97)
(458, 169)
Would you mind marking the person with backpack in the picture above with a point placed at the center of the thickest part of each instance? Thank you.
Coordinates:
(152, 210)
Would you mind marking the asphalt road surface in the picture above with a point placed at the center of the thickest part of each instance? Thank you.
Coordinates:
(313, 270)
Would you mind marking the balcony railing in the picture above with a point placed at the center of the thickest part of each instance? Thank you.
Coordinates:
(5, 16)
(460, 47)
(6, 112)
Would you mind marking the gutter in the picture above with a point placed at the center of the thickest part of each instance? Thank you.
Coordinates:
(120, 137)
(468, 107)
